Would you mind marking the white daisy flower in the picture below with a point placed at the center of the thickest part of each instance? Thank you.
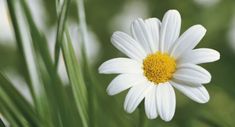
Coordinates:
(158, 61)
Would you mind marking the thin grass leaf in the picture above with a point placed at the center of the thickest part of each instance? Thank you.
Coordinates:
(58, 99)
(39, 40)
(32, 69)
(14, 98)
(60, 29)
(30, 57)
(12, 110)
(1, 123)
(8, 116)
(76, 78)
(88, 75)
(17, 32)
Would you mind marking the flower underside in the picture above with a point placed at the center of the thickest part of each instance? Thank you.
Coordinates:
(159, 67)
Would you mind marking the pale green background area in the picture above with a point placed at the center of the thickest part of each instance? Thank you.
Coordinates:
(217, 19)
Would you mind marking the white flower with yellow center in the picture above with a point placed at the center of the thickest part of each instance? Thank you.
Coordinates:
(158, 61)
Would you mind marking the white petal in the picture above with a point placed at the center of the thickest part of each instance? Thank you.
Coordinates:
(188, 40)
(123, 82)
(198, 94)
(170, 29)
(201, 55)
(140, 34)
(151, 102)
(194, 84)
(135, 95)
(128, 45)
(165, 101)
(120, 65)
(192, 73)
(153, 28)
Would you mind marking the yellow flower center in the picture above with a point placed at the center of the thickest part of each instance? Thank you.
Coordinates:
(159, 67)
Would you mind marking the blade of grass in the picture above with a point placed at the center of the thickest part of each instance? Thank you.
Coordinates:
(25, 47)
(29, 54)
(80, 96)
(11, 118)
(56, 86)
(58, 98)
(76, 78)
(12, 110)
(41, 99)
(18, 101)
(60, 29)
(88, 75)
(20, 46)
(1, 123)
(62, 14)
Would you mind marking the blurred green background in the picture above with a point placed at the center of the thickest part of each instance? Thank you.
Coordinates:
(107, 16)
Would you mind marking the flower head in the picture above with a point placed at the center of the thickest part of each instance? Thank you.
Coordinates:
(159, 59)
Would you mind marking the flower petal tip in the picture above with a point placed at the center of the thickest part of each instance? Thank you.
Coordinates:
(167, 118)
(173, 12)
(109, 93)
(100, 69)
(151, 117)
(201, 28)
(216, 55)
(205, 99)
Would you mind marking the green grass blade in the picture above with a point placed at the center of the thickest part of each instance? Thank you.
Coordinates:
(14, 98)
(30, 57)
(39, 40)
(60, 29)
(59, 102)
(1, 123)
(76, 79)
(11, 112)
(7, 115)
(17, 32)
(87, 72)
